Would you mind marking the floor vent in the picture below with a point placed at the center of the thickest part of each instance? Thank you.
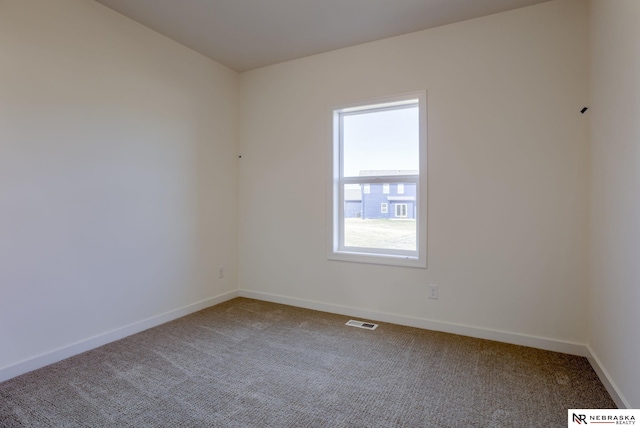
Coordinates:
(361, 324)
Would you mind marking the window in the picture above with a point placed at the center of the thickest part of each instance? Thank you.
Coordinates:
(401, 210)
(379, 145)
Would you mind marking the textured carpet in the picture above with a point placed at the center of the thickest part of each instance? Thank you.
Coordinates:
(247, 363)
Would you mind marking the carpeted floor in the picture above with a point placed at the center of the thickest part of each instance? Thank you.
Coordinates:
(247, 363)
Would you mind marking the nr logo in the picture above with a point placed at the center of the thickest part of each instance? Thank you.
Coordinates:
(580, 419)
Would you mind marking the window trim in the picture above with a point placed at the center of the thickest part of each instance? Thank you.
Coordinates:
(336, 186)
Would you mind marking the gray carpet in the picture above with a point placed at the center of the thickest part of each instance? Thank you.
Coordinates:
(247, 363)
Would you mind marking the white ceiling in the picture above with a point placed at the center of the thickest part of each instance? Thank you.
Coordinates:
(247, 34)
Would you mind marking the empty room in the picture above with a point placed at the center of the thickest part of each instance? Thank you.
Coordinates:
(341, 213)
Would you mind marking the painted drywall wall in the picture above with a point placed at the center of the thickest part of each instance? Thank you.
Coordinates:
(615, 206)
(117, 175)
(508, 173)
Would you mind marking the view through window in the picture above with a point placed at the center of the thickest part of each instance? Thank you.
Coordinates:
(377, 159)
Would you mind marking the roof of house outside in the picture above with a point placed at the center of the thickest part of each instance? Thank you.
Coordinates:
(383, 172)
(401, 198)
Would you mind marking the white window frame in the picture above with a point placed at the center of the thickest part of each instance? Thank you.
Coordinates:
(385, 188)
(406, 210)
(400, 189)
(366, 188)
(384, 208)
(336, 247)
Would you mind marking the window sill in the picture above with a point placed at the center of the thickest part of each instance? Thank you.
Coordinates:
(378, 259)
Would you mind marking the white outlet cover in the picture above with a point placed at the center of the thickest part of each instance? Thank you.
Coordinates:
(433, 292)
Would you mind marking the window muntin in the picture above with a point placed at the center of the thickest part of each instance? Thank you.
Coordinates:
(380, 147)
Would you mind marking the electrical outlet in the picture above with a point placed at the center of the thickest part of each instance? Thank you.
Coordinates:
(433, 291)
(221, 272)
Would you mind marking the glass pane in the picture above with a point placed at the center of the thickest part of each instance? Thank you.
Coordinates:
(380, 220)
(382, 142)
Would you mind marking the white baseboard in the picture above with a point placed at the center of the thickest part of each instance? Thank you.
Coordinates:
(464, 330)
(606, 380)
(581, 350)
(59, 354)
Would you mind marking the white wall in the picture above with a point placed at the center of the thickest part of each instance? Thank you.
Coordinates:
(508, 174)
(118, 171)
(614, 315)
(118, 175)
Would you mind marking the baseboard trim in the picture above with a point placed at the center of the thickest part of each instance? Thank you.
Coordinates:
(464, 330)
(606, 380)
(61, 353)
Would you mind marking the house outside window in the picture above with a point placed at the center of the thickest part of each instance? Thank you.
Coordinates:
(379, 149)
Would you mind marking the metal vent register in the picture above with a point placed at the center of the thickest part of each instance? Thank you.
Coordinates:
(362, 324)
